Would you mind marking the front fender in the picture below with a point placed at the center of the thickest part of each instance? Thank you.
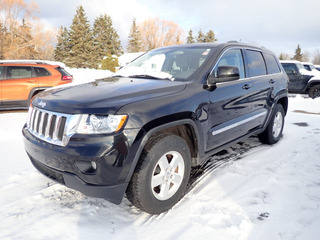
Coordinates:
(144, 136)
(314, 80)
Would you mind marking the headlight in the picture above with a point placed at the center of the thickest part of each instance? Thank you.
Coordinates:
(100, 124)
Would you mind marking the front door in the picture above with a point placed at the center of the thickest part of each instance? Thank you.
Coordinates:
(16, 86)
(230, 105)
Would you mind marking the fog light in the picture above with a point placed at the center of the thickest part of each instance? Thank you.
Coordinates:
(85, 167)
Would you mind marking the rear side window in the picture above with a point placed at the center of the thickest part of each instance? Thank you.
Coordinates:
(307, 67)
(272, 65)
(19, 72)
(256, 65)
(1, 72)
(63, 71)
(42, 72)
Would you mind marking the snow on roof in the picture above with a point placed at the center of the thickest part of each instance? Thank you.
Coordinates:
(290, 61)
(29, 61)
(307, 63)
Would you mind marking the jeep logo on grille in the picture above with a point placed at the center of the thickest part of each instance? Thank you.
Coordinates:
(42, 104)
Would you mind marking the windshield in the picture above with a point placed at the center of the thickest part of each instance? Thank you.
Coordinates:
(175, 63)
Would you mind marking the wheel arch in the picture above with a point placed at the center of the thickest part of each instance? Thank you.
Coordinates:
(34, 92)
(311, 84)
(184, 128)
(284, 102)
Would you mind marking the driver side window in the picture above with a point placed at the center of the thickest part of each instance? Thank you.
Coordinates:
(232, 57)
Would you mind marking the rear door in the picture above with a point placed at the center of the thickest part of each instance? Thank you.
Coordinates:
(230, 105)
(263, 85)
(18, 82)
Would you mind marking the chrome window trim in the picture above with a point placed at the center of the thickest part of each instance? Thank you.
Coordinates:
(224, 51)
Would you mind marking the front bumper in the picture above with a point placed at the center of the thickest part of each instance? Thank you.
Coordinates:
(94, 165)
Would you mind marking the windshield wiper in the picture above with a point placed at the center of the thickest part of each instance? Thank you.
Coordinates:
(148, 76)
(117, 75)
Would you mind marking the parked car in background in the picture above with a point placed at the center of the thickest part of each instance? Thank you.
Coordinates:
(310, 67)
(301, 80)
(21, 80)
(317, 67)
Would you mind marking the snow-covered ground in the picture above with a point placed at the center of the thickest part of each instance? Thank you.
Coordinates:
(251, 191)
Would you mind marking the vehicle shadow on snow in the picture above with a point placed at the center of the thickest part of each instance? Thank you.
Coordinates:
(221, 158)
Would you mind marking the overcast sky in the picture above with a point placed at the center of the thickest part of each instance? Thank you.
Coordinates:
(279, 25)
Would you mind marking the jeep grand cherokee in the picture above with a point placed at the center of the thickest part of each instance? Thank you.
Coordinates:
(140, 131)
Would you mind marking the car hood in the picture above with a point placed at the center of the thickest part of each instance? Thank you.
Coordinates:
(104, 96)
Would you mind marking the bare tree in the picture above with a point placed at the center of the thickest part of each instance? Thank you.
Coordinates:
(316, 57)
(159, 33)
(44, 41)
(21, 35)
(284, 56)
(306, 56)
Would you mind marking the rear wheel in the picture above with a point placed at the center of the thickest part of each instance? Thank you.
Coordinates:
(274, 129)
(314, 91)
(162, 174)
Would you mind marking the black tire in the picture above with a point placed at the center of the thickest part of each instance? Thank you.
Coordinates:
(314, 91)
(273, 132)
(158, 183)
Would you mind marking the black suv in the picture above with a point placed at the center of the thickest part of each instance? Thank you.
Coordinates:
(302, 80)
(141, 131)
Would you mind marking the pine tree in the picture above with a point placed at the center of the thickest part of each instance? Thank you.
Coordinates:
(210, 37)
(134, 39)
(201, 37)
(81, 42)
(298, 55)
(281, 57)
(106, 39)
(110, 63)
(190, 38)
(62, 49)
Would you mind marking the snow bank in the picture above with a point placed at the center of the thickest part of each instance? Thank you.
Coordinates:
(128, 57)
(84, 75)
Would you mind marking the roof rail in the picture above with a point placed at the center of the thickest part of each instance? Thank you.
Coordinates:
(233, 41)
(28, 61)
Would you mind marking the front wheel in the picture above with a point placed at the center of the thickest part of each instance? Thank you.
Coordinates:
(274, 129)
(314, 91)
(162, 174)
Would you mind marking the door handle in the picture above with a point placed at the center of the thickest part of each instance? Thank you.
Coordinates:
(31, 81)
(247, 86)
(271, 81)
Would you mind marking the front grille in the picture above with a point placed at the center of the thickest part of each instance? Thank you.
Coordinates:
(49, 126)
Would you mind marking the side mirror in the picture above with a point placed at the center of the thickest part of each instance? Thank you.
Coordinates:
(224, 74)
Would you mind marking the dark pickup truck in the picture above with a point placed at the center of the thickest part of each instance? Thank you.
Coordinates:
(140, 131)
